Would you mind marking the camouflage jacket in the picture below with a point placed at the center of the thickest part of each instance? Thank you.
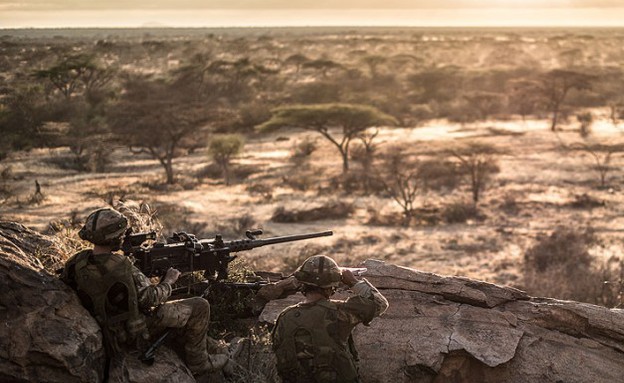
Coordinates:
(312, 341)
(149, 295)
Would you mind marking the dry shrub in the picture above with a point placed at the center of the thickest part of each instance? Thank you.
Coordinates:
(290, 263)
(329, 210)
(460, 212)
(235, 227)
(6, 184)
(261, 189)
(303, 150)
(377, 218)
(564, 247)
(256, 361)
(585, 201)
(211, 170)
(301, 180)
(561, 266)
(64, 233)
(510, 204)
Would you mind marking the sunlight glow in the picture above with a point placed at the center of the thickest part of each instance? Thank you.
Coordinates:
(492, 17)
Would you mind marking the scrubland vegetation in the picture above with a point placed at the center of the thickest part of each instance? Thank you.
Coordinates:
(493, 154)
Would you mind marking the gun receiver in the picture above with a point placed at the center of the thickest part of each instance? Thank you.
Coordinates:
(186, 253)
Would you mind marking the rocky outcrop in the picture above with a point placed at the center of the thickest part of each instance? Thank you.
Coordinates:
(437, 329)
(45, 333)
(448, 329)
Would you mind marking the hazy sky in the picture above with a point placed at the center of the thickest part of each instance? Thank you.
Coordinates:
(196, 13)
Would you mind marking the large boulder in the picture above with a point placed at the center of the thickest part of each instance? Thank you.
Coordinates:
(45, 333)
(449, 329)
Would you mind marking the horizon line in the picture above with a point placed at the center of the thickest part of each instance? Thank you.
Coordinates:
(330, 26)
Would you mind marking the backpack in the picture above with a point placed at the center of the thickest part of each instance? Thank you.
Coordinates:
(307, 351)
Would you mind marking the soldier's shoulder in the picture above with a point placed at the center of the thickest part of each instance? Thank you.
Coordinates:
(78, 256)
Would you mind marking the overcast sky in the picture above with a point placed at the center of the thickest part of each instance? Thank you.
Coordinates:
(196, 13)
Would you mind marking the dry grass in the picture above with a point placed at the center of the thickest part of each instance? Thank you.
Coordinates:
(560, 266)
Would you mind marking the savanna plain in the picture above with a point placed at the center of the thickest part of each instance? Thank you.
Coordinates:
(494, 154)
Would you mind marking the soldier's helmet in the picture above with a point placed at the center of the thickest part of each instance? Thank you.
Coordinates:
(319, 270)
(104, 227)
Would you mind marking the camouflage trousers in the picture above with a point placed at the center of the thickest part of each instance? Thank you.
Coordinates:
(191, 316)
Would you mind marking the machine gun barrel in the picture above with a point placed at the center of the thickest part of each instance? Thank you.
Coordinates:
(248, 244)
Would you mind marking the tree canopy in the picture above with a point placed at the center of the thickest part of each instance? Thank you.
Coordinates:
(338, 123)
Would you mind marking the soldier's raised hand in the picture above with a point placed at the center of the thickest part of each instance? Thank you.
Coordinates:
(348, 278)
(172, 276)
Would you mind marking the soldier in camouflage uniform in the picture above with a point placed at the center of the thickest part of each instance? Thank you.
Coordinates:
(128, 307)
(312, 340)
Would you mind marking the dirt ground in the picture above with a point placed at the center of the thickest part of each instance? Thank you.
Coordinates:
(531, 196)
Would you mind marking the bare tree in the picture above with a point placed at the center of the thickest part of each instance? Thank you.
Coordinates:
(405, 177)
(477, 162)
(601, 156)
(400, 179)
(365, 155)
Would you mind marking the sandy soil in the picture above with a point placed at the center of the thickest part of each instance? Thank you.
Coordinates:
(537, 176)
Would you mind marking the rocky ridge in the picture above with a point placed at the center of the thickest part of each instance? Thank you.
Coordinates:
(437, 329)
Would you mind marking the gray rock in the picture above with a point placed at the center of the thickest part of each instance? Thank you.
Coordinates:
(45, 333)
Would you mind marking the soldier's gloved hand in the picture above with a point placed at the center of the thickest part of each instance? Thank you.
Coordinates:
(172, 276)
(348, 278)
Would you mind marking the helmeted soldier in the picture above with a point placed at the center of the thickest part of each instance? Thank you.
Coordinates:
(312, 340)
(128, 307)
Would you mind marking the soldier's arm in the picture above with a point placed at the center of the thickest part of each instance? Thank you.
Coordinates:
(367, 304)
(149, 294)
(366, 290)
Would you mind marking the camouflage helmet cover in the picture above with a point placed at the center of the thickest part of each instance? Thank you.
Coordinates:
(104, 226)
(319, 270)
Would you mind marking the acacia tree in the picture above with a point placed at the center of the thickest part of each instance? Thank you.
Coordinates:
(322, 66)
(610, 89)
(222, 148)
(297, 60)
(77, 73)
(373, 62)
(523, 96)
(477, 162)
(555, 87)
(338, 123)
(153, 117)
(22, 116)
(484, 103)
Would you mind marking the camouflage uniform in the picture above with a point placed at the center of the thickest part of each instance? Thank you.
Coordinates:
(312, 341)
(190, 315)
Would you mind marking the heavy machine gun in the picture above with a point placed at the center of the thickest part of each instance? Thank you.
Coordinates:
(187, 253)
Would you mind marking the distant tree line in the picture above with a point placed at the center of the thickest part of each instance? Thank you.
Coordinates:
(166, 97)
